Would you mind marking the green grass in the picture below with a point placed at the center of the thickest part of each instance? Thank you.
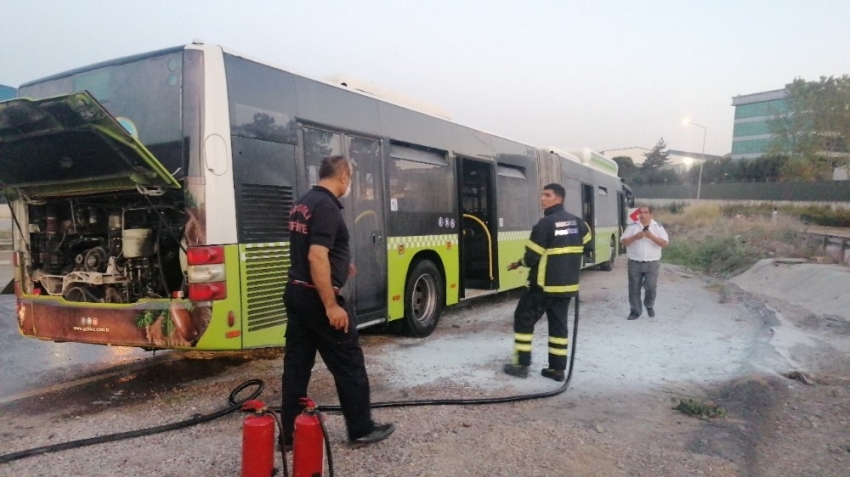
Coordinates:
(698, 408)
(706, 238)
(722, 255)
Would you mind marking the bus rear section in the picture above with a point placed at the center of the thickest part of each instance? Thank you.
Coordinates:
(99, 166)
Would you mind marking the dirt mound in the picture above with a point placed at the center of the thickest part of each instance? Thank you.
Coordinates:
(820, 288)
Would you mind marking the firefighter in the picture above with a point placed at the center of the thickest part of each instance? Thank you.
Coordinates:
(319, 319)
(554, 255)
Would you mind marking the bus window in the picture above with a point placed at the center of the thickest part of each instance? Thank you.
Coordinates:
(261, 100)
(515, 203)
(420, 181)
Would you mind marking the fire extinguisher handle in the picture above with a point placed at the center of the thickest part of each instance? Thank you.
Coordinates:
(254, 405)
(308, 404)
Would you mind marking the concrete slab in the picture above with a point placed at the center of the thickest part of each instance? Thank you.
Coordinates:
(821, 288)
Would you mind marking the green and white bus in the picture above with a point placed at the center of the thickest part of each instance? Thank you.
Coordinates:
(150, 198)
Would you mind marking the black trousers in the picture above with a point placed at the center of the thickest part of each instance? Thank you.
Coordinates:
(530, 308)
(307, 331)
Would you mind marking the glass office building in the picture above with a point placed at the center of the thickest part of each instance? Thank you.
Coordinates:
(7, 92)
(751, 135)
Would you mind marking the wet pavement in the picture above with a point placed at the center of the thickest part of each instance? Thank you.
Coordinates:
(28, 364)
(30, 367)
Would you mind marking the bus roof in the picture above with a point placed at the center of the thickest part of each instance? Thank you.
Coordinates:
(362, 93)
(113, 62)
(370, 90)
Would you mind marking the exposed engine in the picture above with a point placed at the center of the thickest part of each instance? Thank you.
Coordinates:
(108, 249)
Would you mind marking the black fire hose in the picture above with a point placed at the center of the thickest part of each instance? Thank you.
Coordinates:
(493, 400)
(236, 405)
(455, 402)
(196, 419)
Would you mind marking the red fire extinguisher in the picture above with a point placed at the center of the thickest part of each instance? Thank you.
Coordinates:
(257, 440)
(308, 440)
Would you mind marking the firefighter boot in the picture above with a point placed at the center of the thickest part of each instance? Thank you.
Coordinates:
(516, 370)
(556, 374)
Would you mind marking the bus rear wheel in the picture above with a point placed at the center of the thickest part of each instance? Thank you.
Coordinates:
(423, 299)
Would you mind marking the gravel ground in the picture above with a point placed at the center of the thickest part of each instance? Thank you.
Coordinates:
(710, 340)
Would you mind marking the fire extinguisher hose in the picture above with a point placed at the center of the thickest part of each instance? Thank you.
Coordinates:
(234, 405)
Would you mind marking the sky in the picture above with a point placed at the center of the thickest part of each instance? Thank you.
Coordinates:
(603, 74)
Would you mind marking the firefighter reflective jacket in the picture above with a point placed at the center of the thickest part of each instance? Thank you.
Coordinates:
(554, 252)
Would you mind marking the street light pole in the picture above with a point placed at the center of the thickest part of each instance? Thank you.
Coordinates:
(704, 132)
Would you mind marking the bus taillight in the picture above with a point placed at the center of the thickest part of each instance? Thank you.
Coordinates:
(205, 255)
(207, 291)
(206, 273)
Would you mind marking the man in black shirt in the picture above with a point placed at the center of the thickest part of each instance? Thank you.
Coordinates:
(317, 317)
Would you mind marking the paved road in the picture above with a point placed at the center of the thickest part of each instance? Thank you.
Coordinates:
(27, 364)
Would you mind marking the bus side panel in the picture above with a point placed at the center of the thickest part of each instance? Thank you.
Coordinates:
(263, 269)
(602, 242)
(401, 252)
(511, 249)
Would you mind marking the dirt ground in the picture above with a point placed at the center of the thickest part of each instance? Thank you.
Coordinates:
(771, 347)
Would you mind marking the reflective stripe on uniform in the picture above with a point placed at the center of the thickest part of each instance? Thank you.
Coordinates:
(541, 270)
(563, 250)
(525, 337)
(558, 346)
(535, 248)
(586, 236)
(522, 342)
(560, 289)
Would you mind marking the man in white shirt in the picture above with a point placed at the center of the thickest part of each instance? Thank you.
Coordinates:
(643, 240)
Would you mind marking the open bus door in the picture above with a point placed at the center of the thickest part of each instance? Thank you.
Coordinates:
(363, 214)
(588, 213)
(478, 244)
(625, 204)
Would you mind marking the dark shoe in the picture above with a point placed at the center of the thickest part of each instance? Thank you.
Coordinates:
(650, 312)
(556, 374)
(516, 370)
(633, 316)
(379, 433)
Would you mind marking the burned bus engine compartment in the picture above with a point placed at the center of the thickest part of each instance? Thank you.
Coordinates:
(113, 248)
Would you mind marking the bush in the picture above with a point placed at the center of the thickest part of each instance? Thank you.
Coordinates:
(812, 214)
(727, 240)
(720, 255)
(698, 408)
(676, 207)
(826, 216)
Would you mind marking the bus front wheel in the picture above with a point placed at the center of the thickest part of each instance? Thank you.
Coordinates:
(423, 299)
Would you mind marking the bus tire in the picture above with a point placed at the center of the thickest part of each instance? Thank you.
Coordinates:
(612, 250)
(423, 299)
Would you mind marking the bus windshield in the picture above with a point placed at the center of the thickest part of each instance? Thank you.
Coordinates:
(143, 94)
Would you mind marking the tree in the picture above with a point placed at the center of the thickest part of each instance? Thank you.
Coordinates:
(652, 171)
(814, 129)
(656, 158)
(626, 167)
